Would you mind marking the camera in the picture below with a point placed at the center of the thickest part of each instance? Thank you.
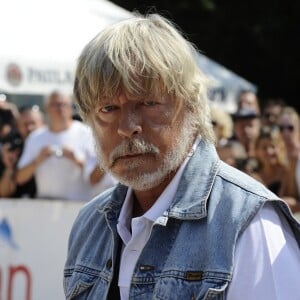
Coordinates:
(16, 143)
(56, 151)
(14, 140)
(6, 117)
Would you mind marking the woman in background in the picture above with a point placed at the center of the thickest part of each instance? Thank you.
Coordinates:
(271, 156)
(289, 125)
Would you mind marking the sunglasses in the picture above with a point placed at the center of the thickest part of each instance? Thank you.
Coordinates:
(60, 104)
(286, 127)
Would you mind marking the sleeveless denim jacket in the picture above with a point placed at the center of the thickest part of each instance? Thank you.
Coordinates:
(190, 252)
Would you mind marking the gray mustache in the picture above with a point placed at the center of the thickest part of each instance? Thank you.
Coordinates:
(132, 147)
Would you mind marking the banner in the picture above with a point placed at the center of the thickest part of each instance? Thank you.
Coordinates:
(33, 247)
(41, 41)
(29, 77)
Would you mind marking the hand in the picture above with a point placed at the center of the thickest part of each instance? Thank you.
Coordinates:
(44, 154)
(69, 154)
(96, 175)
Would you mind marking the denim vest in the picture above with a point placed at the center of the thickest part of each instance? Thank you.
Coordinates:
(190, 253)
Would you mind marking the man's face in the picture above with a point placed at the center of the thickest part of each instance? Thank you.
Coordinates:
(59, 108)
(247, 129)
(30, 120)
(267, 151)
(141, 141)
(248, 100)
(271, 115)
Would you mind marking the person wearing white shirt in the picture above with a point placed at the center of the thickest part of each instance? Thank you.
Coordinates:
(56, 154)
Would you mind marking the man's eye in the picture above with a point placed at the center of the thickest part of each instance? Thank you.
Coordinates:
(108, 108)
(149, 103)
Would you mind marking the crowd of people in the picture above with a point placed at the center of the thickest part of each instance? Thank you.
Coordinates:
(262, 140)
(47, 153)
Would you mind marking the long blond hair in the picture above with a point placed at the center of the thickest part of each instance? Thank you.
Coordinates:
(143, 55)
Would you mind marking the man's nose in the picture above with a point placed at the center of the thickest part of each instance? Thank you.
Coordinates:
(129, 124)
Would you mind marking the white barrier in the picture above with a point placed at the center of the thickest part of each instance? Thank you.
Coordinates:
(33, 245)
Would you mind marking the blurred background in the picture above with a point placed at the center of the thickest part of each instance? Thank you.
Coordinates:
(242, 44)
(258, 40)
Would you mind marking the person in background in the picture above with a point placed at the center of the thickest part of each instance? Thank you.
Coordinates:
(222, 124)
(234, 154)
(271, 112)
(246, 127)
(56, 154)
(11, 145)
(8, 117)
(181, 224)
(289, 125)
(30, 118)
(24, 122)
(247, 99)
(272, 158)
(99, 179)
(10, 151)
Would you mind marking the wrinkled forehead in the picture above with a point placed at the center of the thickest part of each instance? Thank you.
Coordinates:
(158, 93)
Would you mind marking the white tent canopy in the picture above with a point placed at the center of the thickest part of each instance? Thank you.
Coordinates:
(226, 84)
(41, 40)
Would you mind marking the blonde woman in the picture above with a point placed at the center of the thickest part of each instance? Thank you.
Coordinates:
(222, 124)
(272, 158)
(289, 125)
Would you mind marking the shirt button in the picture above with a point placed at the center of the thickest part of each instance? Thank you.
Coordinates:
(109, 264)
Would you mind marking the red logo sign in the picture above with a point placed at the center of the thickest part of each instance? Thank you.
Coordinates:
(14, 74)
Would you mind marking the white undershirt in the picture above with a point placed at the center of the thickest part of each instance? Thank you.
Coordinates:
(267, 257)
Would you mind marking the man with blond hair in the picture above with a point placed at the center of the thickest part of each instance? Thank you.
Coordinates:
(181, 224)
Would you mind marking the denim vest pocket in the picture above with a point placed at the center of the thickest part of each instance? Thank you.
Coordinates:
(77, 285)
(169, 288)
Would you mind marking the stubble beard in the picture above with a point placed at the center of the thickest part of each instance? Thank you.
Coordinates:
(143, 181)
